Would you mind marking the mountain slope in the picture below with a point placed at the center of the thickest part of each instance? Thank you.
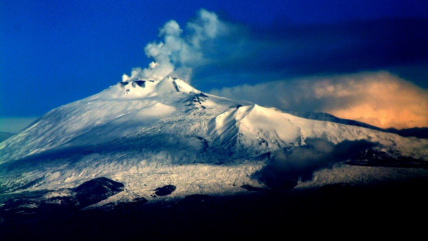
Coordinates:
(146, 134)
(332, 118)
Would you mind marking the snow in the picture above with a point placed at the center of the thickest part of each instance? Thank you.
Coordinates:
(147, 134)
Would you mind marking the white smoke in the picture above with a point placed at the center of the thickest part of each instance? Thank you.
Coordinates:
(180, 51)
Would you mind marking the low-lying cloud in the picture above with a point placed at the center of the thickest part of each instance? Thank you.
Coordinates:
(377, 98)
(287, 167)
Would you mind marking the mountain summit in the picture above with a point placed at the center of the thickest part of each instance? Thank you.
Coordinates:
(147, 134)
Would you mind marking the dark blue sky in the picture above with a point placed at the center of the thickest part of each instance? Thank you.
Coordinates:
(56, 52)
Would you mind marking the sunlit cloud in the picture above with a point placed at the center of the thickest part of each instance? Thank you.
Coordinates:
(377, 98)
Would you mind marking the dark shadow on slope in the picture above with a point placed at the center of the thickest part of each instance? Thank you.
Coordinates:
(380, 159)
(375, 209)
(33, 207)
(74, 153)
(30, 184)
(411, 132)
(194, 146)
(283, 170)
(47, 157)
(136, 204)
(133, 143)
(254, 189)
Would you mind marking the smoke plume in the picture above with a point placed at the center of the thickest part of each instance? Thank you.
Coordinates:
(287, 167)
(181, 50)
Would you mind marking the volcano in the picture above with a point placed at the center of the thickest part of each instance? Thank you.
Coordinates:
(148, 133)
(142, 142)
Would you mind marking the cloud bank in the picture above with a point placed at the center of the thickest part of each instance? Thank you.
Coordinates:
(377, 98)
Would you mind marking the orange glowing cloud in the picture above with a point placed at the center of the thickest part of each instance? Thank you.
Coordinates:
(377, 98)
(380, 99)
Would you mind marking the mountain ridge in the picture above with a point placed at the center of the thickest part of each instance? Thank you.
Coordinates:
(201, 143)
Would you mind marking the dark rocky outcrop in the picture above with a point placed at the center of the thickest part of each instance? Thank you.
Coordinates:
(96, 190)
(140, 83)
(165, 190)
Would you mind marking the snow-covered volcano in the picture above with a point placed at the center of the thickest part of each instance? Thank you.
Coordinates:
(147, 133)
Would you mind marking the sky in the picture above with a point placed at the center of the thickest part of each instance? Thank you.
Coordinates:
(365, 60)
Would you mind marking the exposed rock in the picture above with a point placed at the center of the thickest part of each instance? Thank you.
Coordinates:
(165, 190)
(97, 189)
(140, 83)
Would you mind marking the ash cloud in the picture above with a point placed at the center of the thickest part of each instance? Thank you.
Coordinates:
(287, 167)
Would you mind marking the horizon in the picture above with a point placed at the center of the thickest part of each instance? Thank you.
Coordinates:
(360, 60)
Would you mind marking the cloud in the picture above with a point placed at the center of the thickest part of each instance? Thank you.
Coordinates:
(214, 52)
(287, 50)
(377, 98)
(287, 167)
(181, 50)
(237, 61)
